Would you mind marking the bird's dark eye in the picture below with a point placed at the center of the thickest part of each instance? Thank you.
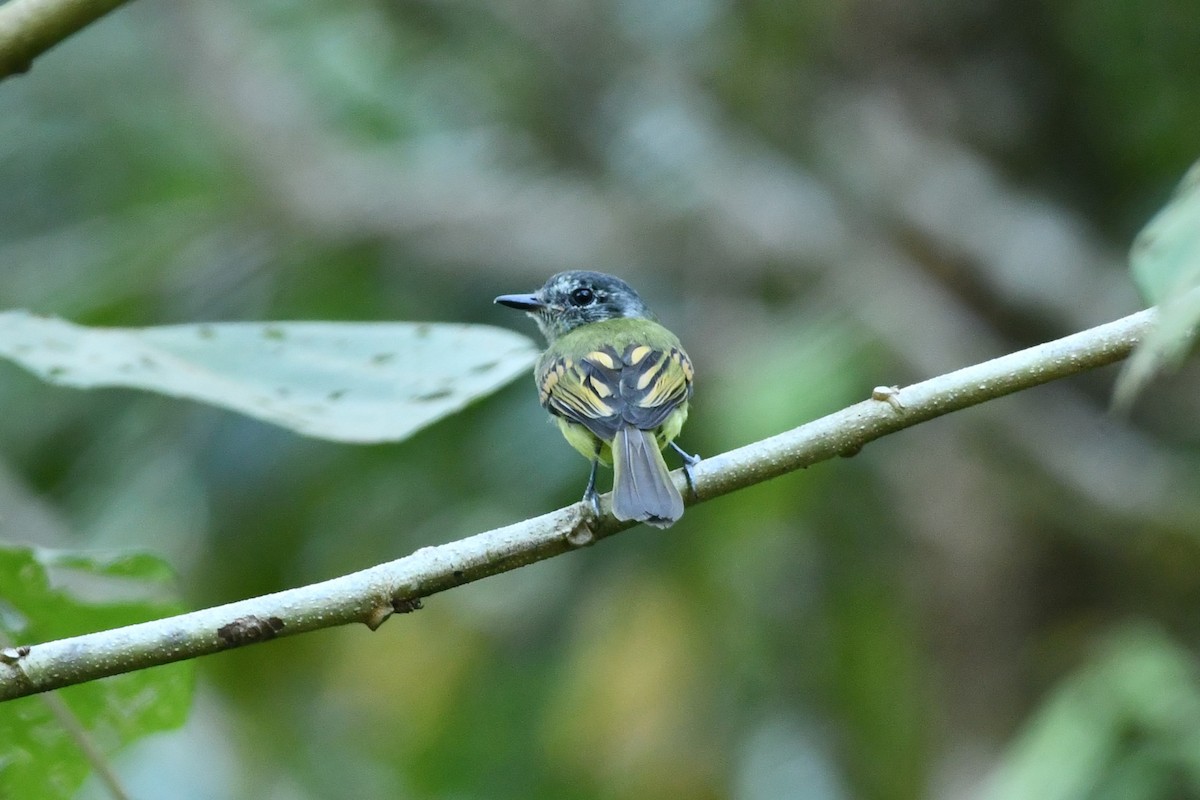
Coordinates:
(582, 296)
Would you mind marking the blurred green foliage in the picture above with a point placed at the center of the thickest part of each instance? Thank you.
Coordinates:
(818, 200)
(1127, 725)
(48, 595)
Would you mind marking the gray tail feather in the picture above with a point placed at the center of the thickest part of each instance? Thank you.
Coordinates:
(642, 486)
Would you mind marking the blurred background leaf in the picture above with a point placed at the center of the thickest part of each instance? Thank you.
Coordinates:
(347, 382)
(818, 198)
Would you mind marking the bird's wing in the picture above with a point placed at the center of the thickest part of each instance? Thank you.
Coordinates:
(604, 389)
(585, 390)
(653, 384)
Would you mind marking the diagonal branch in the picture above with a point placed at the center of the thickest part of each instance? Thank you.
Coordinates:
(29, 28)
(372, 595)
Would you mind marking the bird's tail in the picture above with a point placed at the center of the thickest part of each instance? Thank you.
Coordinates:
(642, 486)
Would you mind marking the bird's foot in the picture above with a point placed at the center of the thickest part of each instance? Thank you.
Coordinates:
(591, 499)
(689, 461)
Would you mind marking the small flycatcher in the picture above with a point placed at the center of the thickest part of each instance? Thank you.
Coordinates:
(617, 384)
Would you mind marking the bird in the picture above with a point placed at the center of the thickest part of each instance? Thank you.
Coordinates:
(618, 385)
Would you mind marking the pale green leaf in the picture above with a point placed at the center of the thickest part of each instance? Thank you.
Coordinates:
(1165, 258)
(1165, 263)
(350, 382)
(46, 595)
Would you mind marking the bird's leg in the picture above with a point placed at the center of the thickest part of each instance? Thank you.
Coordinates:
(589, 494)
(689, 461)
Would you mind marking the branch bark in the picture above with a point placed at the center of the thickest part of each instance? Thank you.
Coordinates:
(372, 595)
(29, 28)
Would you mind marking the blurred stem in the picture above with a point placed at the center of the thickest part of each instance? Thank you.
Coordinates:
(372, 595)
(29, 28)
(83, 740)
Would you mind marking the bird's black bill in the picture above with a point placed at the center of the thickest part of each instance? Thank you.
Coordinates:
(521, 302)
